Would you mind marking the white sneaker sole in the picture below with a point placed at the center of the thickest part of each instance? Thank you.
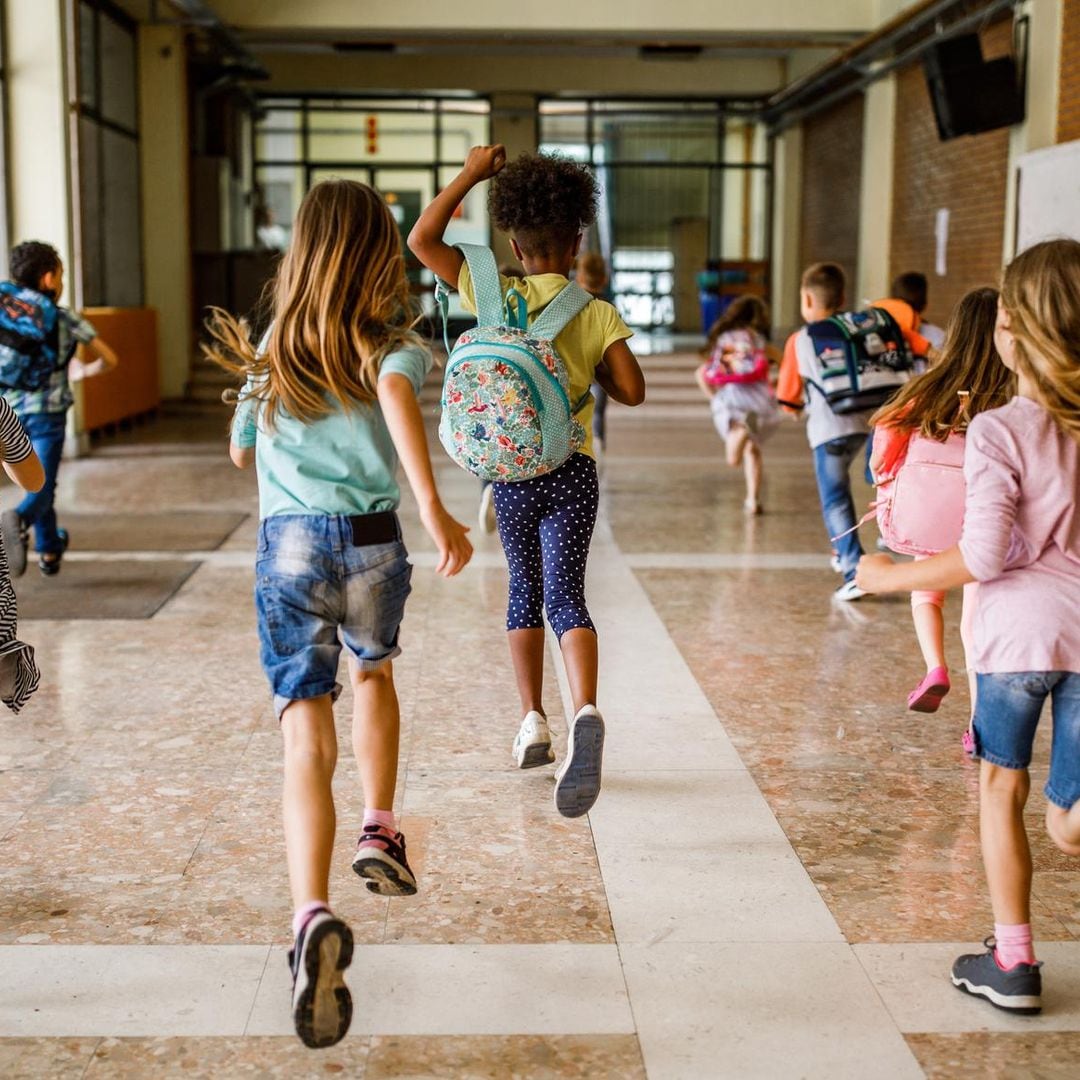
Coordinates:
(1026, 1004)
(322, 1004)
(382, 874)
(533, 755)
(577, 782)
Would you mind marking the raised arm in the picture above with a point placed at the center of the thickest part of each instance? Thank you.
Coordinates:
(426, 239)
(620, 374)
(397, 398)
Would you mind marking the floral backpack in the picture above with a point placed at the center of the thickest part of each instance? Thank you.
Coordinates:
(506, 409)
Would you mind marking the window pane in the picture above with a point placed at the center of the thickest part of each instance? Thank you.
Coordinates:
(460, 132)
(88, 70)
(389, 136)
(282, 188)
(91, 213)
(118, 94)
(121, 231)
(658, 137)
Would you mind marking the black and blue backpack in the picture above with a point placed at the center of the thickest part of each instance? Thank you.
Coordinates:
(29, 338)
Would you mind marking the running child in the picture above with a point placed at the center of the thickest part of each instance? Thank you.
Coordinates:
(37, 282)
(546, 524)
(1021, 542)
(735, 378)
(968, 379)
(592, 276)
(328, 409)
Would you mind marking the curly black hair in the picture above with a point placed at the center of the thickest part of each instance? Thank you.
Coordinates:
(544, 201)
(29, 262)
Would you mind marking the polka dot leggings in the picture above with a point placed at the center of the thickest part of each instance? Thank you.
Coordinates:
(545, 526)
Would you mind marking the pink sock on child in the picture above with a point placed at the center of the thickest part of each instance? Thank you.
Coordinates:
(383, 818)
(1013, 945)
(303, 913)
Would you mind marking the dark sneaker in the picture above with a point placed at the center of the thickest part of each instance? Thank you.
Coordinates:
(1018, 990)
(49, 564)
(380, 861)
(321, 1002)
(14, 533)
(577, 781)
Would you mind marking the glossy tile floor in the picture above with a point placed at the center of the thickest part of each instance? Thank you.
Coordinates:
(776, 877)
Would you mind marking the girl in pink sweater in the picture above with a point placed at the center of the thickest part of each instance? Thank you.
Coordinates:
(1021, 542)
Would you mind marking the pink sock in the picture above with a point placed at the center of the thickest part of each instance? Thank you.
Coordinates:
(303, 913)
(384, 818)
(1013, 945)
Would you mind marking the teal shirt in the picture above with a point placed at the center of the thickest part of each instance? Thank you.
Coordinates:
(343, 463)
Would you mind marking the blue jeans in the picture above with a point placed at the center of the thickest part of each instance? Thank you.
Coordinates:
(316, 592)
(832, 464)
(46, 431)
(1007, 710)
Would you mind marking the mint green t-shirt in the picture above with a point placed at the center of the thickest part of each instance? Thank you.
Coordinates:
(343, 463)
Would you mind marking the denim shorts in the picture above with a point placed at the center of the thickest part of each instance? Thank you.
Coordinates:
(316, 591)
(1007, 710)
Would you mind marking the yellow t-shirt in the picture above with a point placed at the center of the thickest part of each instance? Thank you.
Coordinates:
(581, 345)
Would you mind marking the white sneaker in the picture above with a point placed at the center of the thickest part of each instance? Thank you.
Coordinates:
(487, 509)
(849, 591)
(882, 546)
(532, 747)
(835, 564)
(577, 780)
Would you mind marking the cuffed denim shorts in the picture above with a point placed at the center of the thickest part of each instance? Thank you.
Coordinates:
(1007, 710)
(316, 591)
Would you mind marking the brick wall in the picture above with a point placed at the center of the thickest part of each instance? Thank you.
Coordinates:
(965, 175)
(1069, 92)
(832, 173)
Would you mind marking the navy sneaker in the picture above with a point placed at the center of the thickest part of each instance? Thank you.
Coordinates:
(1018, 990)
(50, 565)
(380, 860)
(577, 780)
(321, 1002)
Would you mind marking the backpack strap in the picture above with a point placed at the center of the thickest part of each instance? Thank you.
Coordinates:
(566, 307)
(486, 285)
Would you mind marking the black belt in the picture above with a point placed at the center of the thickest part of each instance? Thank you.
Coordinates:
(380, 528)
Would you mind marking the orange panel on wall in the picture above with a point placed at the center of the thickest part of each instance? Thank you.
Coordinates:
(134, 387)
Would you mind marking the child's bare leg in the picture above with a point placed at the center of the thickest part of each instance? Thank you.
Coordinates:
(580, 655)
(699, 378)
(735, 444)
(1064, 827)
(376, 732)
(752, 471)
(1005, 850)
(527, 653)
(930, 631)
(307, 801)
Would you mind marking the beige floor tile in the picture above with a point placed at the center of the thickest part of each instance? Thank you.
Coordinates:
(45, 1059)
(979, 1055)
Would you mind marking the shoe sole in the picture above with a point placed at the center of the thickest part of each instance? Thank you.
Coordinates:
(534, 755)
(322, 1011)
(930, 699)
(577, 783)
(384, 875)
(1022, 1005)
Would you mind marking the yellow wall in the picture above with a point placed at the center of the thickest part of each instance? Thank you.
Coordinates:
(163, 146)
(876, 196)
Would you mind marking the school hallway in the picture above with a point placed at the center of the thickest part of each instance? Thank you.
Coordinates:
(781, 866)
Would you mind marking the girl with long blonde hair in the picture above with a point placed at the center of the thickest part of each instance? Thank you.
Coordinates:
(327, 410)
(1021, 542)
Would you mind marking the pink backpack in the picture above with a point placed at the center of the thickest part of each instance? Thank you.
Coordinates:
(920, 509)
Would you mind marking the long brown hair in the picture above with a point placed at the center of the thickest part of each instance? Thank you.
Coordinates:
(1040, 292)
(340, 302)
(968, 378)
(743, 313)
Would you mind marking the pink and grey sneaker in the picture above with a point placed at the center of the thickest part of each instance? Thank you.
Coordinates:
(926, 697)
(380, 860)
(967, 741)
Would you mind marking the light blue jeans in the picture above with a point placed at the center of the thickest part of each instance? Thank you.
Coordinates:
(832, 469)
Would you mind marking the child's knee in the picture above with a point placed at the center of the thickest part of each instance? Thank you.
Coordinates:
(379, 676)
(1001, 784)
(1057, 820)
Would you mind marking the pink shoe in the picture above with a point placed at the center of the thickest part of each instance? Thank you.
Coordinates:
(926, 697)
(967, 741)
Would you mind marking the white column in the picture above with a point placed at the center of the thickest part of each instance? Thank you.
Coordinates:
(876, 192)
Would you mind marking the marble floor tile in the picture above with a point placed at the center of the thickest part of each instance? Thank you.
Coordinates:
(913, 981)
(45, 1059)
(555, 989)
(980, 1055)
(517, 1057)
(146, 990)
(702, 1005)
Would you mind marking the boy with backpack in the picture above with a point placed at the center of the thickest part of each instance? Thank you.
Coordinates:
(840, 368)
(517, 410)
(38, 340)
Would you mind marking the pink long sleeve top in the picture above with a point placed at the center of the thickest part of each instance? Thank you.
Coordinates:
(1021, 539)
